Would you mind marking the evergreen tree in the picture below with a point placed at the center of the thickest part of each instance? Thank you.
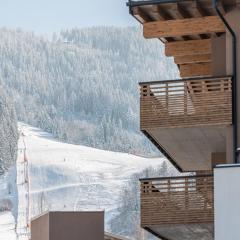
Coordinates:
(8, 133)
(82, 85)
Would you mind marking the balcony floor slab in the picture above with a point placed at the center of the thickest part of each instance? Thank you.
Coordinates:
(191, 148)
(202, 231)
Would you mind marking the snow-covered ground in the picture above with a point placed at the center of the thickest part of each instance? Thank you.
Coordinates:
(8, 205)
(7, 226)
(72, 177)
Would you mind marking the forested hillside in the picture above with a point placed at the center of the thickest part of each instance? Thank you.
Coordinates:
(8, 133)
(82, 84)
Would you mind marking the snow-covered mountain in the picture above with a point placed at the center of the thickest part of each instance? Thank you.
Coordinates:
(82, 85)
(73, 177)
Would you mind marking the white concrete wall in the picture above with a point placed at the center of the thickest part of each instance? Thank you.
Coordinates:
(227, 202)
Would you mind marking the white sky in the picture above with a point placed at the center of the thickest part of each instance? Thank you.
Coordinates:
(47, 16)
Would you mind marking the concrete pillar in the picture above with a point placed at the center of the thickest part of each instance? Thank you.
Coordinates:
(218, 158)
(219, 55)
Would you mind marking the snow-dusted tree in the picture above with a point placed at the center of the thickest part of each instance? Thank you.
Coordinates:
(82, 86)
(8, 133)
(128, 221)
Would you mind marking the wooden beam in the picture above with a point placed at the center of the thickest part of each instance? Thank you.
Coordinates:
(183, 27)
(193, 59)
(164, 15)
(196, 69)
(140, 15)
(199, 11)
(191, 47)
(178, 12)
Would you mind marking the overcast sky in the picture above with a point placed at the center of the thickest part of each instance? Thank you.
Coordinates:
(47, 16)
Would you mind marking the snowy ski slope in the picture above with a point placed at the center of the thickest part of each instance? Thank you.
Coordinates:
(71, 177)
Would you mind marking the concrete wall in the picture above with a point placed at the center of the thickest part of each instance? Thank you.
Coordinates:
(219, 55)
(233, 18)
(226, 202)
(40, 228)
(68, 225)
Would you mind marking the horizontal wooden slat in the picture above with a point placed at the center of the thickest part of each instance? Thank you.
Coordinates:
(195, 70)
(183, 200)
(183, 27)
(193, 59)
(186, 103)
(191, 47)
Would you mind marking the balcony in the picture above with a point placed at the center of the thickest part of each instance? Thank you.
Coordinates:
(187, 118)
(109, 236)
(177, 208)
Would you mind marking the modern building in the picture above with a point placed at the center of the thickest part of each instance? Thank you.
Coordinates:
(68, 225)
(193, 120)
(71, 226)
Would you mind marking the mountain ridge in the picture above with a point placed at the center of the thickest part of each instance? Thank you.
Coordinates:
(82, 86)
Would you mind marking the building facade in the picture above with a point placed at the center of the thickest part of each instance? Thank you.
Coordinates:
(71, 226)
(193, 120)
(68, 225)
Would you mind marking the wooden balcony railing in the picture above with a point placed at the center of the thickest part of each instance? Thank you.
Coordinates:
(177, 200)
(186, 103)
